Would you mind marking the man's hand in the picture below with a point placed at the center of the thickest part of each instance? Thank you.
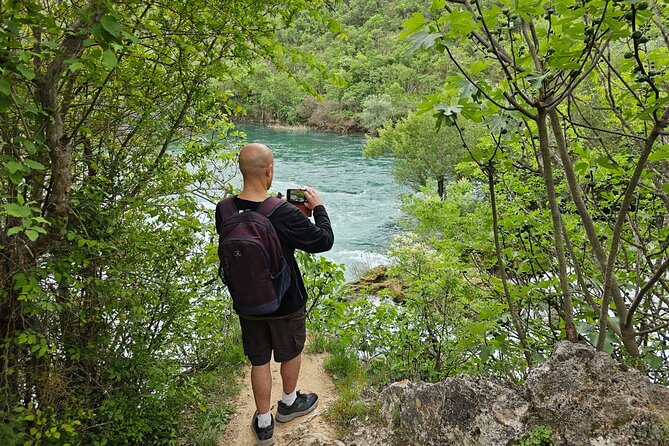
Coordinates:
(313, 199)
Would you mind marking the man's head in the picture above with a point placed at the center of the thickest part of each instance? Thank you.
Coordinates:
(256, 162)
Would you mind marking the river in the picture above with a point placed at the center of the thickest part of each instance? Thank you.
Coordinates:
(360, 194)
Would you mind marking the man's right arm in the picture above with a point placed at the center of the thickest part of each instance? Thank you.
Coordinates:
(300, 233)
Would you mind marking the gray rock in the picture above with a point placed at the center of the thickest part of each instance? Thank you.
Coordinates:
(583, 396)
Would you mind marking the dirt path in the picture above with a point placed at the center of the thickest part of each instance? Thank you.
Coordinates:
(310, 430)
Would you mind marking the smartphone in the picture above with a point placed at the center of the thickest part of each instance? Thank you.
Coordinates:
(295, 196)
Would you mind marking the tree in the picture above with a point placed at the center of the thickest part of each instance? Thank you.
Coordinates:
(539, 64)
(111, 113)
(422, 154)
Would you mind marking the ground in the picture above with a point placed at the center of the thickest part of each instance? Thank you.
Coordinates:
(310, 430)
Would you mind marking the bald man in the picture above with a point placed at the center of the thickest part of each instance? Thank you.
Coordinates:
(282, 332)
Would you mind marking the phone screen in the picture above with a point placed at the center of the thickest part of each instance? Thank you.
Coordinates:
(295, 196)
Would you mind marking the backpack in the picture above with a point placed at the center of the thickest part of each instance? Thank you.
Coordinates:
(252, 263)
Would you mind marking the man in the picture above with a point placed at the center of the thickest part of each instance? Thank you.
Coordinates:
(282, 332)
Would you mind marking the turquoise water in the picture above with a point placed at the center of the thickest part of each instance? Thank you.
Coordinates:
(360, 194)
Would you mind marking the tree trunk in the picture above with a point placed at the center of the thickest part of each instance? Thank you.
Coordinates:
(567, 305)
(515, 316)
(589, 225)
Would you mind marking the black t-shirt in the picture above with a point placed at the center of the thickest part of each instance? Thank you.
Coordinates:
(295, 231)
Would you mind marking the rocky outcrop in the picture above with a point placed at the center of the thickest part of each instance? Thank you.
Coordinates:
(376, 281)
(581, 396)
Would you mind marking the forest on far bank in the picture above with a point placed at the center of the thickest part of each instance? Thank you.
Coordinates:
(532, 134)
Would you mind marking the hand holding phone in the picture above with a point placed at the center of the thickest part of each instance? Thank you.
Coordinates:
(296, 196)
(306, 199)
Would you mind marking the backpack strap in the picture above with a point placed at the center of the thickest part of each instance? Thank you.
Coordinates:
(227, 207)
(270, 205)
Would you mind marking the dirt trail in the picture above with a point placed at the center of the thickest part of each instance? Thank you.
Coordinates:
(311, 429)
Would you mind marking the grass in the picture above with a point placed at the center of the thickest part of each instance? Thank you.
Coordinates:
(207, 418)
(350, 382)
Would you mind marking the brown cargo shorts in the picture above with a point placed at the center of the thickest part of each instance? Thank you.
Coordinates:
(285, 336)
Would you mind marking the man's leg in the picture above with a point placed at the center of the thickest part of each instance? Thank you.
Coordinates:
(290, 370)
(293, 404)
(261, 382)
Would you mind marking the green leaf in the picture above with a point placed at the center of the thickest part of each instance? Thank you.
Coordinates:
(660, 56)
(16, 177)
(151, 27)
(335, 27)
(486, 352)
(14, 166)
(26, 72)
(422, 40)
(5, 88)
(14, 230)
(412, 24)
(462, 23)
(438, 5)
(16, 210)
(75, 66)
(479, 66)
(581, 167)
(5, 102)
(29, 145)
(111, 25)
(448, 110)
(584, 328)
(665, 188)
(32, 234)
(659, 153)
(33, 164)
(607, 164)
(654, 362)
(536, 80)
(109, 59)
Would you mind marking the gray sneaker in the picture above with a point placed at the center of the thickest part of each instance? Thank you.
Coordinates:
(304, 404)
(265, 435)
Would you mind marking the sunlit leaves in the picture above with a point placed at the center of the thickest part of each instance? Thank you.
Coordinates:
(413, 24)
(461, 23)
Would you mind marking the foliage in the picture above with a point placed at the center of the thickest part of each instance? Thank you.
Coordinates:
(376, 110)
(372, 76)
(322, 278)
(539, 436)
(575, 100)
(445, 324)
(422, 153)
(111, 153)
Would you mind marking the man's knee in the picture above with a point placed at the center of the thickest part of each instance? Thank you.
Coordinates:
(259, 359)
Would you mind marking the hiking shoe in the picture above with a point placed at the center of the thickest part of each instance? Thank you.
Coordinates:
(304, 404)
(265, 435)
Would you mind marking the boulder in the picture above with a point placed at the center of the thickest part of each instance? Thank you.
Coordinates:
(581, 396)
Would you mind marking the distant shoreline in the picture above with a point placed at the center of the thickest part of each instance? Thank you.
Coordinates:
(295, 127)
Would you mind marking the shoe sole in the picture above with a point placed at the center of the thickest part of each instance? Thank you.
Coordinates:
(259, 442)
(286, 418)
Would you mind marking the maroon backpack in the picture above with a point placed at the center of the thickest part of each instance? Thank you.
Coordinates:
(252, 264)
